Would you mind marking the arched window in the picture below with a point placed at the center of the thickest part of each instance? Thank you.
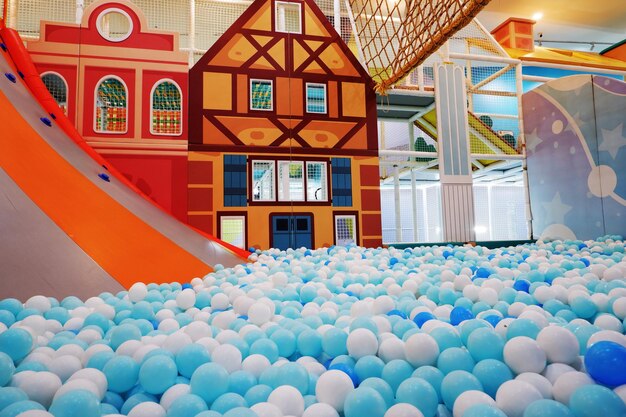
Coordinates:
(166, 109)
(111, 106)
(57, 87)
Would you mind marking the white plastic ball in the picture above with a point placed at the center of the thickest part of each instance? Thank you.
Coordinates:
(523, 354)
(197, 330)
(619, 308)
(41, 387)
(514, 396)
(421, 349)
(255, 364)
(266, 409)
(39, 303)
(288, 399)
(567, 383)
(559, 344)
(608, 322)
(35, 413)
(391, 348)
(173, 393)
(168, 325)
(538, 381)
(362, 342)
(333, 387)
(186, 298)
(320, 410)
(259, 313)
(404, 410)
(64, 366)
(228, 356)
(607, 335)
(555, 370)
(137, 292)
(176, 341)
(78, 384)
(468, 399)
(147, 409)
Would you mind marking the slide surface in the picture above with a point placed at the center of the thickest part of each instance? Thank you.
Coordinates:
(68, 224)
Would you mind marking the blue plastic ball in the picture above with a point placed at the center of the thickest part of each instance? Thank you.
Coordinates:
(422, 317)
(188, 405)
(240, 382)
(7, 369)
(76, 403)
(348, 370)
(265, 347)
(334, 342)
(492, 373)
(123, 333)
(460, 314)
(369, 367)
(606, 363)
(190, 357)
(485, 343)
(309, 343)
(431, 375)
(396, 371)
(10, 395)
(228, 401)
(294, 374)
(383, 388)
(455, 359)
(258, 394)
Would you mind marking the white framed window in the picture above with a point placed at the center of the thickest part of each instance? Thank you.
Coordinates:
(233, 230)
(288, 17)
(315, 98)
(57, 86)
(114, 25)
(290, 181)
(263, 178)
(261, 95)
(316, 181)
(345, 229)
(166, 108)
(111, 106)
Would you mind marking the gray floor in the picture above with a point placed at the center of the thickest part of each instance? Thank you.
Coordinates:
(55, 266)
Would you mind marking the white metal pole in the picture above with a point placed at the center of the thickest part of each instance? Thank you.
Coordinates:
(522, 143)
(12, 14)
(396, 195)
(414, 201)
(192, 31)
(337, 6)
(80, 7)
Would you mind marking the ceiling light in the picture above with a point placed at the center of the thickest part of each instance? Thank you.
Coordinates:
(537, 16)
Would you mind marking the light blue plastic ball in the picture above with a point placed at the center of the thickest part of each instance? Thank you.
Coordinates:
(100, 359)
(208, 413)
(123, 333)
(265, 347)
(157, 374)
(483, 410)
(455, 383)
(420, 393)
(596, 400)
(485, 343)
(133, 400)
(547, 408)
(492, 373)
(368, 367)
(14, 409)
(16, 343)
(228, 401)
(334, 342)
(584, 307)
(295, 375)
(240, 382)
(76, 403)
(188, 405)
(431, 375)
(309, 343)
(468, 326)
(121, 373)
(364, 401)
(240, 412)
(455, 359)
(10, 395)
(382, 387)
(446, 338)
(7, 369)
(209, 381)
(396, 371)
(522, 327)
(258, 394)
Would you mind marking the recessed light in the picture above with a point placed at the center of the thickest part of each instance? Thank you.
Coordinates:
(537, 16)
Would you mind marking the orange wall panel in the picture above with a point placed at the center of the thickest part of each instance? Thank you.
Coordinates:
(333, 99)
(289, 96)
(217, 91)
(353, 99)
(242, 93)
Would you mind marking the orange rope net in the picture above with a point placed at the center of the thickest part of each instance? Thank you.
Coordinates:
(398, 35)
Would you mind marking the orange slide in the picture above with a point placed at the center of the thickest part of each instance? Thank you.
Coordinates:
(112, 227)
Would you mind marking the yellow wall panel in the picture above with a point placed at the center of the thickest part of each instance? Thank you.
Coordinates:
(217, 91)
(353, 99)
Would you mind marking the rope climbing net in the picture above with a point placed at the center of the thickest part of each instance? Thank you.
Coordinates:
(398, 35)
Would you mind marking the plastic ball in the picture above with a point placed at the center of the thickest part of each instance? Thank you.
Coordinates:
(523, 354)
(228, 356)
(332, 388)
(419, 393)
(228, 401)
(147, 409)
(567, 383)
(459, 315)
(469, 399)
(485, 343)
(121, 373)
(288, 399)
(538, 381)
(596, 400)
(361, 342)
(41, 387)
(17, 408)
(559, 344)
(456, 383)
(157, 374)
(16, 343)
(364, 401)
(7, 368)
(403, 410)
(514, 396)
(188, 405)
(209, 381)
(601, 361)
(265, 409)
(547, 408)
(421, 349)
(76, 403)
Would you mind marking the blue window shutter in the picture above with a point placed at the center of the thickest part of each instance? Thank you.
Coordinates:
(341, 182)
(235, 181)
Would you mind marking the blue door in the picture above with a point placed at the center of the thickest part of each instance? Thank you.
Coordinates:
(292, 231)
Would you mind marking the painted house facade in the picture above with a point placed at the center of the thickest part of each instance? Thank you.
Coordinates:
(283, 147)
(124, 87)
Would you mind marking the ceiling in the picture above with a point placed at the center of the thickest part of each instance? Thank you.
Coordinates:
(599, 22)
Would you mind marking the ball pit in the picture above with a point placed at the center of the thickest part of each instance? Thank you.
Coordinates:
(526, 331)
